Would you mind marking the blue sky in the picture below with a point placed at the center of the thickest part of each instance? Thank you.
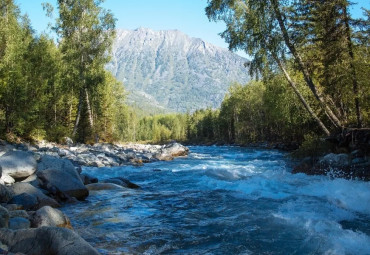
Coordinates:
(187, 16)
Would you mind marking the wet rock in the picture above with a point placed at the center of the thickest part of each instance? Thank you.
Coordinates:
(5, 194)
(335, 160)
(18, 164)
(46, 241)
(42, 199)
(103, 186)
(19, 223)
(87, 179)
(163, 156)
(175, 150)
(4, 217)
(122, 182)
(50, 217)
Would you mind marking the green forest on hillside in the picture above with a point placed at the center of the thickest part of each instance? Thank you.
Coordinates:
(310, 60)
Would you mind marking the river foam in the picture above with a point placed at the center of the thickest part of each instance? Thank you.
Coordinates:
(226, 200)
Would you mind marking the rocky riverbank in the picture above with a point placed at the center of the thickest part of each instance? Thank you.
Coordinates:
(349, 157)
(37, 179)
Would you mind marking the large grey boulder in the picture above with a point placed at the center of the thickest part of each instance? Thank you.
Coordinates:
(4, 217)
(46, 241)
(50, 217)
(42, 199)
(18, 164)
(60, 174)
(175, 150)
(5, 194)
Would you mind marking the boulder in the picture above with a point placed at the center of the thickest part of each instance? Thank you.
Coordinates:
(175, 150)
(87, 179)
(6, 179)
(19, 223)
(103, 186)
(335, 160)
(42, 199)
(18, 213)
(163, 156)
(46, 241)
(13, 207)
(60, 174)
(4, 217)
(122, 182)
(18, 164)
(5, 194)
(57, 181)
(28, 202)
(50, 217)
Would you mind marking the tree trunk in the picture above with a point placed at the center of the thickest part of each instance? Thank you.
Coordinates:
(353, 69)
(333, 118)
(79, 108)
(91, 121)
(301, 98)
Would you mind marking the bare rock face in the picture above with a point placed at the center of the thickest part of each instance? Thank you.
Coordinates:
(164, 67)
(46, 241)
(50, 217)
(18, 164)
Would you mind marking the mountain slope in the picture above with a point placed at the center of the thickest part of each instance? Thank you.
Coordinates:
(171, 71)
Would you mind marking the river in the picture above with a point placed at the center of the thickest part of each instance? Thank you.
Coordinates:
(225, 200)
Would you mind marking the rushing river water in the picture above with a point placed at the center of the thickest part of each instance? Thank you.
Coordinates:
(225, 200)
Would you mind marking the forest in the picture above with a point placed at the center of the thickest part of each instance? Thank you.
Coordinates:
(309, 60)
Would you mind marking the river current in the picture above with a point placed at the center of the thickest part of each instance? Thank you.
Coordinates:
(225, 200)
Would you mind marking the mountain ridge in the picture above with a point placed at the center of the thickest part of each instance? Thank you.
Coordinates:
(170, 70)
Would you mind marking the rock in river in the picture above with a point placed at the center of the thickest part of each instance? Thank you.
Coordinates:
(50, 217)
(60, 174)
(46, 241)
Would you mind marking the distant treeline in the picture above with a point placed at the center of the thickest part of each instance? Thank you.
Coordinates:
(310, 60)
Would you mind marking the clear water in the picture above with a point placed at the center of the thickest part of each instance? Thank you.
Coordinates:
(225, 200)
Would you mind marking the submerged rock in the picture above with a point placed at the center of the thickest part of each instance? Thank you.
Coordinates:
(103, 186)
(46, 241)
(122, 182)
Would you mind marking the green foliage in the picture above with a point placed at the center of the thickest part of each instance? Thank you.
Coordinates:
(313, 146)
(45, 87)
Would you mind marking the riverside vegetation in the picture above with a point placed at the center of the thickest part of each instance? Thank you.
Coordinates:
(310, 61)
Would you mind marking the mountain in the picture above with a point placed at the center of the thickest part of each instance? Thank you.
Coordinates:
(170, 71)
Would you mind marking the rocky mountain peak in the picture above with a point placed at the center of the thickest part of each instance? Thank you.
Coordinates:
(170, 70)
